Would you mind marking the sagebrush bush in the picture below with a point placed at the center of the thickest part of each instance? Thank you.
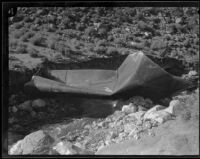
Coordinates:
(13, 44)
(18, 18)
(37, 21)
(22, 49)
(52, 45)
(28, 19)
(33, 53)
(90, 31)
(110, 38)
(18, 25)
(35, 28)
(27, 36)
(51, 29)
(101, 43)
(101, 50)
(18, 34)
(102, 31)
(112, 51)
(38, 41)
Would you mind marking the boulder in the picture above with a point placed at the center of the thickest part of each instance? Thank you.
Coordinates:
(128, 128)
(67, 148)
(64, 148)
(173, 107)
(192, 73)
(141, 108)
(38, 103)
(127, 109)
(155, 108)
(160, 116)
(137, 115)
(16, 148)
(33, 143)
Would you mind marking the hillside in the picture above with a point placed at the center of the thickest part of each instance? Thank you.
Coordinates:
(45, 38)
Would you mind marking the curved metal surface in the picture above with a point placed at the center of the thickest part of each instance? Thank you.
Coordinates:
(136, 75)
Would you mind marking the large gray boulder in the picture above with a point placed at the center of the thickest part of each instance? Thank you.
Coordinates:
(35, 143)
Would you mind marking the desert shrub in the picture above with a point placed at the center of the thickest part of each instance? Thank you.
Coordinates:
(110, 38)
(27, 36)
(52, 45)
(102, 31)
(18, 34)
(22, 49)
(80, 27)
(18, 25)
(28, 19)
(158, 44)
(13, 44)
(145, 27)
(33, 53)
(58, 58)
(35, 28)
(37, 21)
(66, 51)
(101, 50)
(42, 11)
(90, 31)
(51, 19)
(154, 10)
(51, 29)
(101, 43)
(38, 41)
(66, 22)
(18, 18)
(77, 46)
(28, 25)
(112, 51)
(119, 41)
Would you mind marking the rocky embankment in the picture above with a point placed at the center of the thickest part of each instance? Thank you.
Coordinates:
(136, 126)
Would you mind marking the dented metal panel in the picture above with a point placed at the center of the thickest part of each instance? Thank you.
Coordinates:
(136, 75)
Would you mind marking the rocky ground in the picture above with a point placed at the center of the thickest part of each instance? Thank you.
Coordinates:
(139, 128)
(82, 37)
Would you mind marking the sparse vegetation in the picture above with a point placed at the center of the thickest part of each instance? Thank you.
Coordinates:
(33, 53)
(109, 30)
(112, 51)
(27, 36)
(57, 35)
(18, 25)
(38, 41)
(28, 19)
(22, 49)
(18, 34)
(13, 44)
